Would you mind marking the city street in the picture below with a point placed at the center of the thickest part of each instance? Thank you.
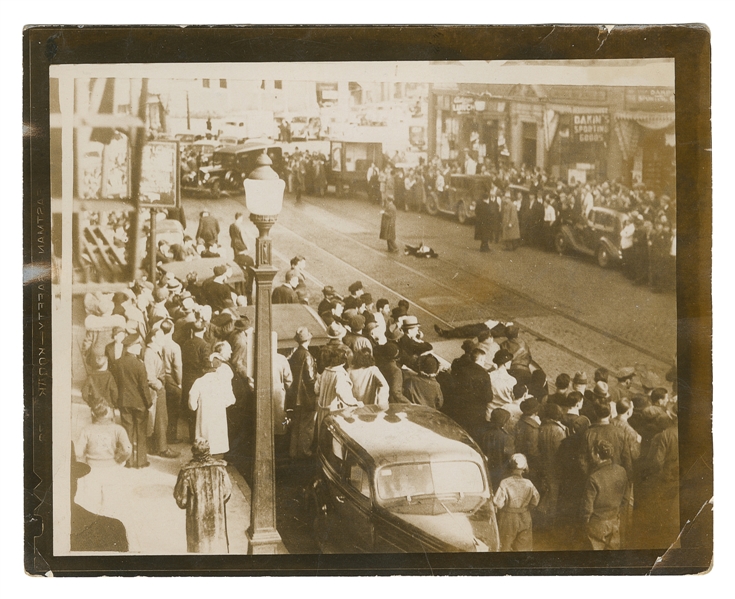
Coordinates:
(575, 315)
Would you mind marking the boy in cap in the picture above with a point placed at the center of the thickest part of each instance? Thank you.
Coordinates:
(603, 497)
(100, 384)
(513, 499)
(422, 388)
(329, 296)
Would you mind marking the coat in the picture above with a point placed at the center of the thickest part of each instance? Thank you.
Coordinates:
(301, 398)
(484, 221)
(284, 294)
(208, 229)
(202, 489)
(473, 392)
(369, 386)
(388, 222)
(132, 383)
(210, 396)
(423, 390)
(509, 219)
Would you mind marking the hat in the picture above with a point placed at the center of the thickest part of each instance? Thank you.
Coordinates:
(357, 323)
(530, 405)
(511, 331)
(391, 351)
(242, 323)
(650, 380)
(116, 330)
(518, 462)
(410, 322)
(132, 340)
(329, 291)
(356, 286)
(222, 320)
(371, 325)
(502, 356)
(302, 335)
(499, 416)
(580, 378)
(625, 373)
(336, 331)
(393, 333)
(367, 298)
(219, 270)
(468, 345)
(601, 389)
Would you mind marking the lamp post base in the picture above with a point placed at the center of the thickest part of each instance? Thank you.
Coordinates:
(265, 542)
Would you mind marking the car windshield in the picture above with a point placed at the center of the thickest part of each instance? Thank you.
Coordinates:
(429, 479)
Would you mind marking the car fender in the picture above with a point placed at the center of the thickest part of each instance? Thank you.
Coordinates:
(612, 248)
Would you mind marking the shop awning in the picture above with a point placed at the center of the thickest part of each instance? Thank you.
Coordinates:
(649, 120)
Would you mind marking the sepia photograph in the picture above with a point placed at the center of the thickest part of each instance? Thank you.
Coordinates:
(370, 307)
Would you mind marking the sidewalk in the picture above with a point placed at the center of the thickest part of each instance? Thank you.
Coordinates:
(144, 500)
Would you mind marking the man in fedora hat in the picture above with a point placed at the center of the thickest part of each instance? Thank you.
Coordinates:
(412, 344)
(354, 339)
(330, 294)
(208, 229)
(135, 399)
(336, 333)
(301, 397)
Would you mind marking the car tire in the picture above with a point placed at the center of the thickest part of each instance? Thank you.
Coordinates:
(560, 243)
(603, 257)
(432, 205)
(462, 213)
(215, 190)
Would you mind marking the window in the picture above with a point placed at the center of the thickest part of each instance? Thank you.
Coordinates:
(278, 84)
(358, 477)
(440, 478)
(223, 83)
(205, 83)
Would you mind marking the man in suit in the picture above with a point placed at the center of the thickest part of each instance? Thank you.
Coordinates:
(135, 399)
(208, 229)
(473, 393)
(286, 293)
(412, 343)
(484, 221)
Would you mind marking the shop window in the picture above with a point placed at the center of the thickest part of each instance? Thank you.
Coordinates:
(205, 83)
(223, 83)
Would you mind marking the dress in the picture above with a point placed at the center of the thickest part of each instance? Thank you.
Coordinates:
(210, 397)
(509, 219)
(104, 446)
(202, 489)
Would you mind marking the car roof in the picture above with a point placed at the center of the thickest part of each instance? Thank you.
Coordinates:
(404, 433)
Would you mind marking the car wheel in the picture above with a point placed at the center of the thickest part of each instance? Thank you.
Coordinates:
(215, 189)
(432, 205)
(603, 257)
(560, 243)
(461, 213)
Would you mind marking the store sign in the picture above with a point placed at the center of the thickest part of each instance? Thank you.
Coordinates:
(463, 105)
(590, 128)
(650, 99)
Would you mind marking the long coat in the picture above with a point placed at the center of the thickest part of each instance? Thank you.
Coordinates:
(509, 218)
(202, 489)
(210, 396)
(484, 221)
(388, 222)
(301, 398)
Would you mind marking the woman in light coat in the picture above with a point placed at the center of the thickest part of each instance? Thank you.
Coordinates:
(210, 396)
(368, 383)
(333, 386)
(509, 219)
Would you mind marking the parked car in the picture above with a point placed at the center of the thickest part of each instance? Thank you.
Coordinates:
(405, 479)
(598, 235)
(461, 194)
(230, 166)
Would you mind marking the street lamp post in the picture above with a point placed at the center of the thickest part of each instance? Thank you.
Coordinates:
(264, 199)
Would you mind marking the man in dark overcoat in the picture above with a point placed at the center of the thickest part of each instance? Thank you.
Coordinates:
(301, 397)
(135, 399)
(208, 229)
(388, 225)
(484, 221)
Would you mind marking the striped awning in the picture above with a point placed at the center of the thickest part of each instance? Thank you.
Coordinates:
(649, 120)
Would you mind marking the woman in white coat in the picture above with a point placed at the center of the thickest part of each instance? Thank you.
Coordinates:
(210, 396)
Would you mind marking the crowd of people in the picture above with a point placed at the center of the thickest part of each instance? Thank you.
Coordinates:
(169, 362)
(506, 215)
